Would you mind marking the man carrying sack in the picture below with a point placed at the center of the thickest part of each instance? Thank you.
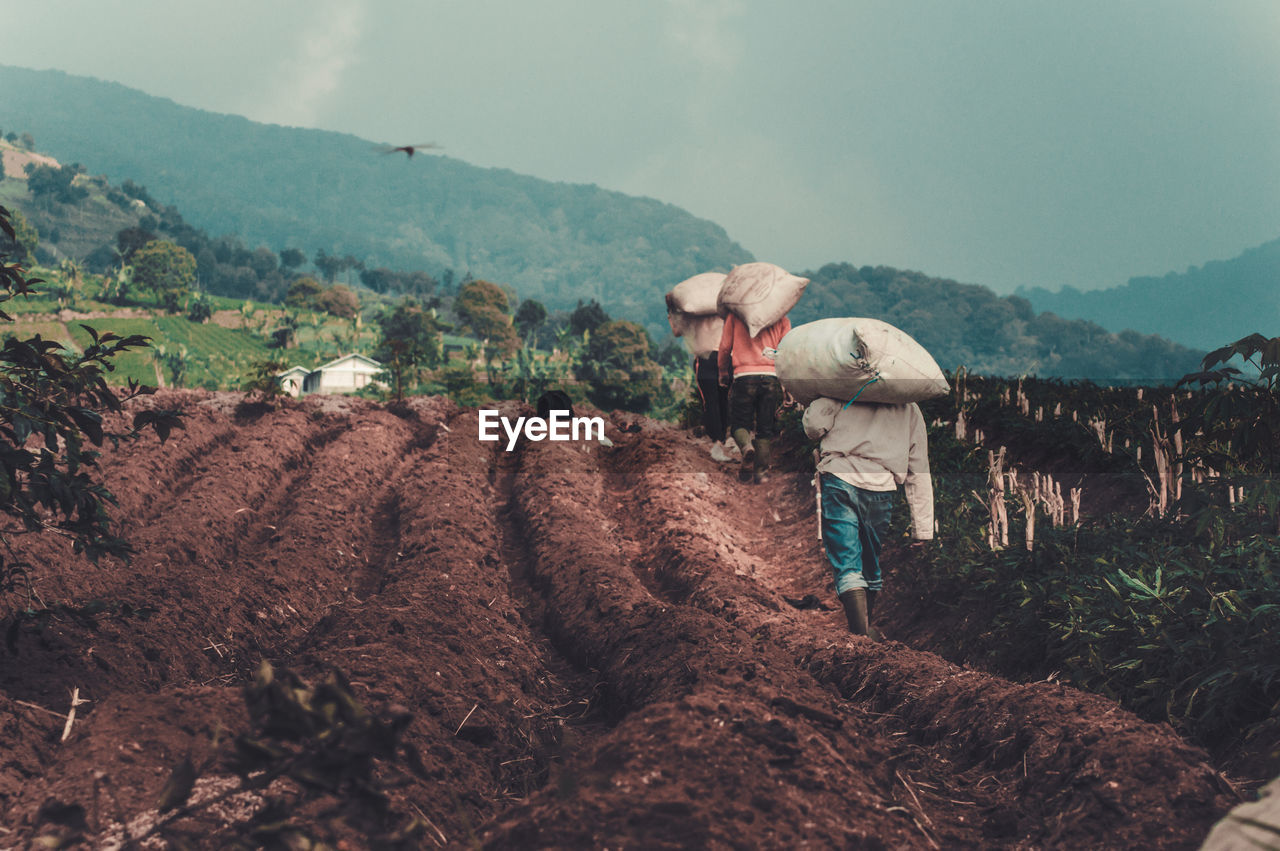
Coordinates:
(754, 300)
(746, 368)
(871, 443)
(867, 450)
(693, 312)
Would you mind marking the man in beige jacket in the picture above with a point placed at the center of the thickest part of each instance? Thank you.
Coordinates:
(867, 450)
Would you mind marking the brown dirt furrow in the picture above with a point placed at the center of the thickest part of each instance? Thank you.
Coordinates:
(1066, 767)
(719, 741)
(452, 636)
(200, 480)
(144, 474)
(276, 529)
(448, 637)
(139, 473)
(589, 647)
(321, 538)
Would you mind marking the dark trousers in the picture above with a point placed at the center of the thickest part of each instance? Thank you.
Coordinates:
(715, 399)
(753, 404)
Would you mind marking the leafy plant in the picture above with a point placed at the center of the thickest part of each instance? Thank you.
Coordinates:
(264, 382)
(51, 414)
(411, 339)
(1238, 421)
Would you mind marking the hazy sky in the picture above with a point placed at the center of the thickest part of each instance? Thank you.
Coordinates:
(1001, 142)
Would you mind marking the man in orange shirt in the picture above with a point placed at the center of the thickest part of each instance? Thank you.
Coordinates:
(746, 368)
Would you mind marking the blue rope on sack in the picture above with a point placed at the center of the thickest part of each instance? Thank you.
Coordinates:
(859, 393)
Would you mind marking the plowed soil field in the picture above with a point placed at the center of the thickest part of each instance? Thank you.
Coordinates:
(573, 646)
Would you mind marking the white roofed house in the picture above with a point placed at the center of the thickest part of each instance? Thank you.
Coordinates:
(344, 375)
(291, 380)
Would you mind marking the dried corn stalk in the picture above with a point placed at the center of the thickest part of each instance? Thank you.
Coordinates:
(998, 533)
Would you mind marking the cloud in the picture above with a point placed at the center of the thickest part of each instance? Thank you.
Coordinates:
(699, 30)
(312, 69)
(775, 204)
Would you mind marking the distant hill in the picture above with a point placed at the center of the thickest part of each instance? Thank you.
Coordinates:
(317, 190)
(67, 230)
(291, 188)
(969, 325)
(1208, 306)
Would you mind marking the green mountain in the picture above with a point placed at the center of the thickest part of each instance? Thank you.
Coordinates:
(321, 191)
(969, 325)
(1207, 306)
(317, 190)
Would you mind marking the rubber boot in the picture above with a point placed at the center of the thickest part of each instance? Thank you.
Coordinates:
(871, 610)
(763, 454)
(855, 610)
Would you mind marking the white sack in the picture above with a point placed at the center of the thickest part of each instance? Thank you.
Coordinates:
(840, 358)
(760, 294)
(696, 295)
(702, 334)
(1242, 830)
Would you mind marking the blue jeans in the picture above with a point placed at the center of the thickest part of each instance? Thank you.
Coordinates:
(854, 525)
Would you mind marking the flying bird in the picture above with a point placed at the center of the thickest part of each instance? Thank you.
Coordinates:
(410, 150)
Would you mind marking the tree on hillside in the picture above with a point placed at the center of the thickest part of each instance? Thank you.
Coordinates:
(303, 292)
(410, 339)
(530, 316)
(263, 261)
(331, 266)
(168, 270)
(380, 279)
(139, 193)
(292, 258)
(338, 300)
(483, 309)
(671, 355)
(130, 240)
(587, 317)
(617, 368)
(54, 183)
(418, 284)
(350, 262)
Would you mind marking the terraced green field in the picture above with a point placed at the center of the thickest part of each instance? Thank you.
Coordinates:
(216, 357)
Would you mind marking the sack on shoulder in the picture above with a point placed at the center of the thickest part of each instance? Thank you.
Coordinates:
(857, 358)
